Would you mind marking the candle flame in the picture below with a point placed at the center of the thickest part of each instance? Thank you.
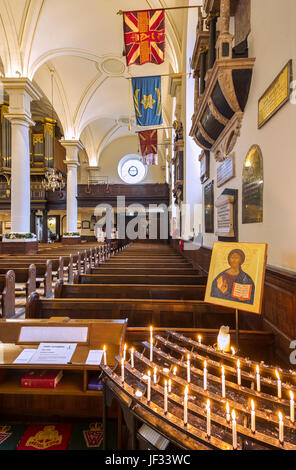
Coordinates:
(222, 370)
(165, 383)
(233, 415)
(257, 369)
(149, 373)
(291, 395)
(232, 350)
(227, 408)
(277, 375)
(104, 347)
(238, 363)
(208, 405)
(280, 417)
(199, 338)
(122, 361)
(155, 370)
(252, 405)
(188, 357)
(132, 349)
(186, 390)
(205, 364)
(151, 328)
(175, 370)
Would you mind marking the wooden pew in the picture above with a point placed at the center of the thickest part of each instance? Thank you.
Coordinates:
(128, 291)
(105, 269)
(172, 279)
(43, 272)
(140, 312)
(26, 277)
(7, 290)
(57, 264)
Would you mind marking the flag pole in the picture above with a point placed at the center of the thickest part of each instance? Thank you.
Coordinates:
(121, 12)
(173, 74)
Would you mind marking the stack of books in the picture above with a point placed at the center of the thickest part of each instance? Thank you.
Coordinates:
(41, 378)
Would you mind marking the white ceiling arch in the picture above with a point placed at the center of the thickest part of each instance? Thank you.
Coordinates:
(75, 39)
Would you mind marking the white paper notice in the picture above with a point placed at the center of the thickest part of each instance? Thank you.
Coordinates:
(53, 353)
(94, 357)
(25, 356)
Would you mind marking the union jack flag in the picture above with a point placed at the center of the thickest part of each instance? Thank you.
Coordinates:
(144, 36)
(148, 143)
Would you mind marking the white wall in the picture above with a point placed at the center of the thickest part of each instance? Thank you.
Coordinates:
(272, 42)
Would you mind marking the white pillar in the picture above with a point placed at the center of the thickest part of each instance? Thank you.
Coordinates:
(72, 161)
(21, 92)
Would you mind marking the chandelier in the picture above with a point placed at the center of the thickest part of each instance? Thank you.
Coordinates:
(53, 181)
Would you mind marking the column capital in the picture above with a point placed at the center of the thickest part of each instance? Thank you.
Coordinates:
(71, 163)
(21, 92)
(72, 148)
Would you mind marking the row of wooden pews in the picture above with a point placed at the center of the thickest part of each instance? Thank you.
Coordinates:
(24, 273)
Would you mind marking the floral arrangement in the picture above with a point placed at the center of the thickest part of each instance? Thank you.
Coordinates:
(19, 236)
(71, 234)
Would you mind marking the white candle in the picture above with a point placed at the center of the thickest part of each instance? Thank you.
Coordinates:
(149, 386)
(165, 408)
(205, 376)
(234, 431)
(170, 386)
(227, 413)
(253, 417)
(188, 368)
(186, 406)
(199, 339)
(155, 375)
(208, 408)
(105, 356)
(258, 379)
(124, 352)
(151, 343)
(292, 407)
(279, 384)
(281, 428)
(122, 370)
(239, 380)
(223, 383)
(132, 358)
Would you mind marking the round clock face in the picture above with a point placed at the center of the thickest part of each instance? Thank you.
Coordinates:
(132, 171)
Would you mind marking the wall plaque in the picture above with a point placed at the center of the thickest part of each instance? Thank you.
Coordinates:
(204, 159)
(209, 207)
(225, 222)
(276, 95)
(252, 190)
(225, 171)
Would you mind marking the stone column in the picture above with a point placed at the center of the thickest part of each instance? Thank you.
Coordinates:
(72, 161)
(21, 92)
(44, 227)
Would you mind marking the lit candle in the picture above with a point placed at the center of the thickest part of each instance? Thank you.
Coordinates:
(279, 384)
(132, 358)
(232, 350)
(223, 383)
(292, 407)
(186, 406)
(149, 386)
(199, 339)
(239, 381)
(253, 417)
(124, 352)
(258, 379)
(227, 413)
(188, 368)
(234, 431)
(175, 370)
(165, 408)
(122, 370)
(105, 356)
(155, 375)
(151, 343)
(208, 408)
(281, 428)
(205, 376)
(170, 386)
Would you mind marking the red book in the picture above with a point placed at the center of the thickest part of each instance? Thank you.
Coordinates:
(41, 378)
(46, 437)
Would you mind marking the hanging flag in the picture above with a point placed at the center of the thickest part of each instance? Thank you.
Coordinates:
(148, 144)
(144, 36)
(147, 100)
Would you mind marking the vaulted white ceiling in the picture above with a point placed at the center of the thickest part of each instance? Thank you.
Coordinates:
(82, 41)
